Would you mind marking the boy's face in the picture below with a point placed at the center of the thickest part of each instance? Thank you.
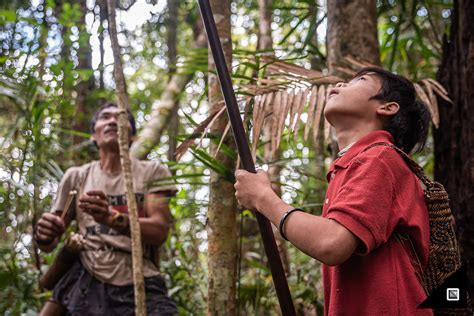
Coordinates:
(350, 101)
(106, 127)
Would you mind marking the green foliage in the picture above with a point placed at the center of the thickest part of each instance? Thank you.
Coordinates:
(411, 33)
(25, 176)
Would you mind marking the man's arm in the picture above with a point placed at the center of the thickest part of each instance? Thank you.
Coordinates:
(154, 228)
(323, 239)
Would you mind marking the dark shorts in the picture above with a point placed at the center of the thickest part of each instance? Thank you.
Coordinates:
(82, 294)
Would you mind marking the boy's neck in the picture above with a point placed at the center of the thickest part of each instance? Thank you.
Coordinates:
(349, 135)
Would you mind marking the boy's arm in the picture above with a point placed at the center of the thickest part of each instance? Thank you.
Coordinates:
(323, 239)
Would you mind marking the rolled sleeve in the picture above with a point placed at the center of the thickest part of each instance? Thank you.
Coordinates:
(161, 180)
(68, 183)
(364, 202)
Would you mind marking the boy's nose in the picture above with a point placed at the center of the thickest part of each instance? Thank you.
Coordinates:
(340, 84)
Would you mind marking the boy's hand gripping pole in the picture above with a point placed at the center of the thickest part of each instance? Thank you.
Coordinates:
(274, 261)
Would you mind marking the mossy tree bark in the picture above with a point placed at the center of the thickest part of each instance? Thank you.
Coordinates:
(352, 30)
(222, 212)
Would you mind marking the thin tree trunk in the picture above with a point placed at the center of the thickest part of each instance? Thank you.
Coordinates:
(265, 42)
(317, 59)
(172, 27)
(43, 44)
(173, 126)
(265, 39)
(222, 212)
(102, 18)
(67, 119)
(317, 63)
(454, 139)
(173, 130)
(84, 87)
(150, 135)
(123, 105)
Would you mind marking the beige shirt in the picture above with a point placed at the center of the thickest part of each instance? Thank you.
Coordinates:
(108, 254)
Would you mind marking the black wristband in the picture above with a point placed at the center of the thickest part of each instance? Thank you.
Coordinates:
(283, 219)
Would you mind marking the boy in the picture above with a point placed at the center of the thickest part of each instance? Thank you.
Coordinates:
(372, 204)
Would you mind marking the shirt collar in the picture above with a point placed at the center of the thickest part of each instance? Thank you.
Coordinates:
(358, 146)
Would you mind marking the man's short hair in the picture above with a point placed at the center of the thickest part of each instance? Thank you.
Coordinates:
(409, 126)
(95, 117)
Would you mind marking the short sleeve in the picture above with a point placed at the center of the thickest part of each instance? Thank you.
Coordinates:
(161, 180)
(364, 202)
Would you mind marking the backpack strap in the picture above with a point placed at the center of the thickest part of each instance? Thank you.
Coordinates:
(413, 165)
(403, 236)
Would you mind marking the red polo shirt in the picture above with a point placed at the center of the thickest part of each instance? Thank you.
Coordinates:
(374, 194)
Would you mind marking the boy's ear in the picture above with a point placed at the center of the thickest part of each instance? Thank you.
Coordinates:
(388, 109)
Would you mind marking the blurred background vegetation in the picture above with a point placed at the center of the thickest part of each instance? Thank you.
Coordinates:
(56, 68)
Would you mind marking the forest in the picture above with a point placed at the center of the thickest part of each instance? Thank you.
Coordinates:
(59, 62)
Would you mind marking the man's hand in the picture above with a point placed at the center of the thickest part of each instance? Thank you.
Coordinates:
(250, 188)
(96, 204)
(49, 228)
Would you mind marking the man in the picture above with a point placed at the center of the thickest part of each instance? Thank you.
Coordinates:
(374, 210)
(101, 282)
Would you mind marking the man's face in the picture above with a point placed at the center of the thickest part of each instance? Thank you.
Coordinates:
(106, 127)
(349, 101)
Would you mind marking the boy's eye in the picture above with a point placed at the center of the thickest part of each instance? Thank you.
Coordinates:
(361, 78)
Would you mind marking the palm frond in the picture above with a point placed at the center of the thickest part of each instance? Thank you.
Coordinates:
(286, 91)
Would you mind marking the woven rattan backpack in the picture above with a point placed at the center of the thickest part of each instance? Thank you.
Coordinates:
(444, 257)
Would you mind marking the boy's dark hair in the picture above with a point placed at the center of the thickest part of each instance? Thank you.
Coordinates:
(131, 119)
(409, 126)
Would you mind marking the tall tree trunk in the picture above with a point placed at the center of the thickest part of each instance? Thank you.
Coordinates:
(43, 44)
(150, 135)
(173, 126)
(352, 30)
(265, 39)
(317, 59)
(454, 139)
(123, 105)
(318, 62)
(222, 212)
(265, 42)
(84, 87)
(102, 18)
(67, 118)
